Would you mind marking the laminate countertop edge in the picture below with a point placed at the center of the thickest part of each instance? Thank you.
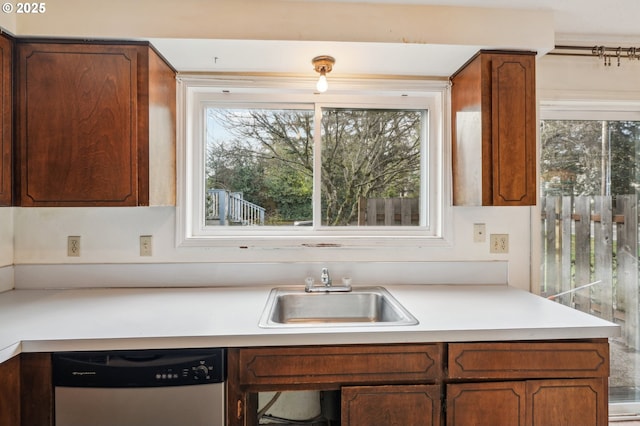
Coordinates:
(152, 318)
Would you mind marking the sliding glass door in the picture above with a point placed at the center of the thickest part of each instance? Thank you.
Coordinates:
(589, 178)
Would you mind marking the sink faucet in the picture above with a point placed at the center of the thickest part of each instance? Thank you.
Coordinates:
(327, 284)
(325, 279)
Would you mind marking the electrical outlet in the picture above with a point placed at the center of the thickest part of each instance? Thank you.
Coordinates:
(479, 233)
(499, 243)
(145, 245)
(73, 246)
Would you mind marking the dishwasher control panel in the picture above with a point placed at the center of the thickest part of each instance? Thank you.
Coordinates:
(139, 368)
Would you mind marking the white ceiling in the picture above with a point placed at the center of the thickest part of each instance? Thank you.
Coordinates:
(585, 22)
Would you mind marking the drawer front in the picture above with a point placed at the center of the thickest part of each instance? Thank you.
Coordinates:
(341, 364)
(524, 360)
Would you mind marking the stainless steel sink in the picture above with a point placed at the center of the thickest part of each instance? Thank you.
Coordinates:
(363, 306)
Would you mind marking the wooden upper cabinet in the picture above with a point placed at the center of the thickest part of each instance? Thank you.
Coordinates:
(6, 120)
(494, 130)
(90, 117)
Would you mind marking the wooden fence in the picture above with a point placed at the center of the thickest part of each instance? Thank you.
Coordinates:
(588, 239)
(388, 211)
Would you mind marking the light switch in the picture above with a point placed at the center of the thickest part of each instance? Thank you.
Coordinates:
(479, 233)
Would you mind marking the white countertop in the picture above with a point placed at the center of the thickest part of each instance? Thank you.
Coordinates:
(104, 319)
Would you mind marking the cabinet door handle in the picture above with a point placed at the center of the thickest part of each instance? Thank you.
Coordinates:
(239, 410)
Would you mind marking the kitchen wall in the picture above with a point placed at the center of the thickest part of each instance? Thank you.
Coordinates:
(8, 22)
(6, 248)
(580, 78)
(109, 236)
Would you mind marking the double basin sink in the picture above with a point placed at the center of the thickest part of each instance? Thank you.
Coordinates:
(362, 306)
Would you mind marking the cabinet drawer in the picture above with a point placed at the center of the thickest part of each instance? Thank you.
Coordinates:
(340, 364)
(524, 360)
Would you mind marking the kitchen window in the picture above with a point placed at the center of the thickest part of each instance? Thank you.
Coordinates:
(268, 162)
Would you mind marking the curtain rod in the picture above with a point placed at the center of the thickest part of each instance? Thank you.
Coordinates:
(602, 52)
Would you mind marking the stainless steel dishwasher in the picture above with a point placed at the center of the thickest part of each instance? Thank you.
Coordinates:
(140, 388)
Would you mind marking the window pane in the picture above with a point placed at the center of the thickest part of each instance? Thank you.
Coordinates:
(589, 157)
(259, 166)
(589, 181)
(371, 167)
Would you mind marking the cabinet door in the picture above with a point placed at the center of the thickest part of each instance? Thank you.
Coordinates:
(493, 117)
(6, 117)
(399, 405)
(10, 392)
(513, 119)
(486, 404)
(77, 119)
(36, 389)
(567, 402)
(578, 402)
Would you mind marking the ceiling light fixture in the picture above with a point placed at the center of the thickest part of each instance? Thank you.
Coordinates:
(323, 64)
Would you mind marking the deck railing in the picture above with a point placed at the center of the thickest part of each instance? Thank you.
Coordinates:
(230, 208)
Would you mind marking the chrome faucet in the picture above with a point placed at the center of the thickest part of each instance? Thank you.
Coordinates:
(327, 285)
(325, 279)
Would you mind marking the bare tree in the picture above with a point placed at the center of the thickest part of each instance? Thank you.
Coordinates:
(365, 153)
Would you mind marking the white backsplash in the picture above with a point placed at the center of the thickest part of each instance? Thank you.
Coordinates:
(268, 274)
(110, 254)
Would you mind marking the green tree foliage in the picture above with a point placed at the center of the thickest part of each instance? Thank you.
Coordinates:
(235, 169)
(589, 157)
(625, 143)
(266, 155)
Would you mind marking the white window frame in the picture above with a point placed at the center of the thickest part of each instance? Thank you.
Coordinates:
(195, 92)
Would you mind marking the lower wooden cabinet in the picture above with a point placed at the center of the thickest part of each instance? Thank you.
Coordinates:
(478, 404)
(552, 383)
(401, 405)
(566, 402)
(36, 391)
(26, 391)
(376, 381)
(582, 402)
(10, 392)
(555, 383)
(337, 365)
